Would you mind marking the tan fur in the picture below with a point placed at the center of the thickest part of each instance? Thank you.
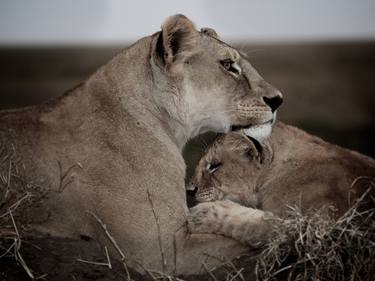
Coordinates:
(120, 136)
(293, 168)
(250, 226)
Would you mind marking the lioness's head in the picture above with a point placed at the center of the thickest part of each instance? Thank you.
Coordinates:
(230, 170)
(209, 85)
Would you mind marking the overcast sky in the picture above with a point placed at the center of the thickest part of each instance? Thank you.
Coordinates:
(117, 21)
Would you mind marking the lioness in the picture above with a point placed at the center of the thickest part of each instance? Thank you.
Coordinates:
(290, 168)
(112, 146)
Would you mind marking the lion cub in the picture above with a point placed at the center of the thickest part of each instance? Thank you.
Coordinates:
(291, 168)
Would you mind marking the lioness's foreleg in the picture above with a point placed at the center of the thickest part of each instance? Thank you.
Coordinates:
(249, 226)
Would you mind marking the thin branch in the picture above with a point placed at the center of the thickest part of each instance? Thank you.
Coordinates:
(107, 264)
(108, 258)
(93, 262)
(9, 249)
(63, 175)
(114, 243)
(355, 181)
(209, 271)
(17, 247)
(175, 253)
(224, 263)
(15, 205)
(159, 231)
(239, 273)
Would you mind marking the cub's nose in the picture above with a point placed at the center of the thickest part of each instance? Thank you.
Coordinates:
(192, 191)
(273, 102)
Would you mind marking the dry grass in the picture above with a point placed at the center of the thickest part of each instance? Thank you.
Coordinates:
(317, 247)
(16, 193)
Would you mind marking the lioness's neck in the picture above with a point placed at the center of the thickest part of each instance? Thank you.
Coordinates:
(125, 84)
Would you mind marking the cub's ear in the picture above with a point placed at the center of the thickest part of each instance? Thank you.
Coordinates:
(210, 32)
(236, 143)
(241, 144)
(267, 155)
(176, 40)
(262, 151)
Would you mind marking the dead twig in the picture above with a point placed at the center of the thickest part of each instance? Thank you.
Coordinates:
(108, 258)
(209, 271)
(239, 273)
(93, 262)
(107, 264)
(17, 247)
(7, 251)
(64, 175)
(15, 205)
(227, 263)
(159, 231)
(114, 243)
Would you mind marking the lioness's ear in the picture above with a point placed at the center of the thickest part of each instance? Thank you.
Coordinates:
(210, 32)
(176, 39)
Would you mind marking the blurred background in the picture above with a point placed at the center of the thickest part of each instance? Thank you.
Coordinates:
(320, 54)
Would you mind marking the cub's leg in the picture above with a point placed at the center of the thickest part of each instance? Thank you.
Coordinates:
(249, 226)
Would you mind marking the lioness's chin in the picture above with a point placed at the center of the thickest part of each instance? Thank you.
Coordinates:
(259, 132)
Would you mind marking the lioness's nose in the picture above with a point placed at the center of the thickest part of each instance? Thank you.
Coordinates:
(273, 102)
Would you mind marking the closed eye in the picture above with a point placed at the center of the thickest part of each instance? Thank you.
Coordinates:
(212, 167)
(230, 66)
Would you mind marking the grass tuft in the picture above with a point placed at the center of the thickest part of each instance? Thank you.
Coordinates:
(315, 246)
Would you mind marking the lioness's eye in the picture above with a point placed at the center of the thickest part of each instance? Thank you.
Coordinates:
(212, 167)
(228, 64)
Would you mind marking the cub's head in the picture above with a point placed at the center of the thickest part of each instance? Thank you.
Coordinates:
(208, 84)
(230, 170)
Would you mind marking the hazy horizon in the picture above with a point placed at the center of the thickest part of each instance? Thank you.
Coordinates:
(96, 22)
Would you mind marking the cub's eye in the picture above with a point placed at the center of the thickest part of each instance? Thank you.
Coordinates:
(230, 66)
(212, 167)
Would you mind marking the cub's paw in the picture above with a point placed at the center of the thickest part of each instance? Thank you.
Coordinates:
(209, 217)
(202, 218)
